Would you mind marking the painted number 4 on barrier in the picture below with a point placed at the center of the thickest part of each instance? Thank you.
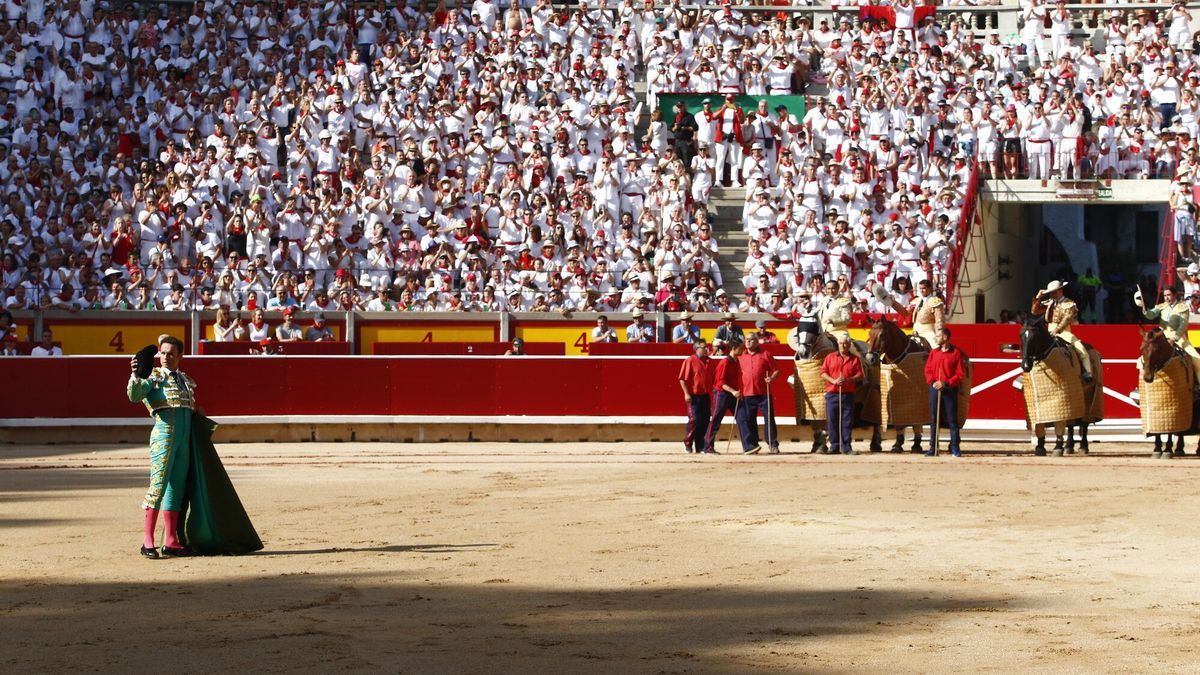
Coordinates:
(118, 342)
(582, 343)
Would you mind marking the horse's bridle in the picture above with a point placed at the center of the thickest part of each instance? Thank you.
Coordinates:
(1034, 358)
(1044, 355)
(908, 345)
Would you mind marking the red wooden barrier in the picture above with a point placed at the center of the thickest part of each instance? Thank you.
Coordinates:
(91, 387)
(639, 349)
(665, 349)
(464, 348)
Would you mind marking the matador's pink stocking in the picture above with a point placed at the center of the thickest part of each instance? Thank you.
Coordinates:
(171, 531)
(151, 524)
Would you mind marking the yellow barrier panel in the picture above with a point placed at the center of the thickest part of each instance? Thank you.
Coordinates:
(710, 334)
(127, 338)
(87, 338)
(575, 338)
(369, 335)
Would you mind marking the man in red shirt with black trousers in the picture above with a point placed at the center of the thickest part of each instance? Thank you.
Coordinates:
(842, 372)
(695, 379)
(944, 371)
(727, 377)
(758, 371)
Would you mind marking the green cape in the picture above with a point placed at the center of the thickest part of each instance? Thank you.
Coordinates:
(216, 522)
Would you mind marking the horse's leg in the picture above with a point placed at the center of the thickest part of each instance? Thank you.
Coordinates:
(917, 447)
(1070, 439)
(818, 442)
(877, 446)
(1083, 439)
(1059, 429)
(898, 444)
(1039, 440)
(1157, 454)
(1179, 445)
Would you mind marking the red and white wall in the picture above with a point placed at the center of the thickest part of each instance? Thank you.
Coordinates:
(632, 388)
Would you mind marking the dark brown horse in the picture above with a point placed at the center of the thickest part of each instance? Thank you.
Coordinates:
(1157, 350)
(890, 343)
(1036, 345)
(887, 342)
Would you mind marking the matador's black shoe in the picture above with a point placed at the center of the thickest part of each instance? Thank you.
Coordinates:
(175, 552)
(151, 553)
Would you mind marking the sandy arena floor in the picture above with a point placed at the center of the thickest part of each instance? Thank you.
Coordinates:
(611, 559)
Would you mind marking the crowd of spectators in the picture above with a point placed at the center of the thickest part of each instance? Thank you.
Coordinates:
(332, 155)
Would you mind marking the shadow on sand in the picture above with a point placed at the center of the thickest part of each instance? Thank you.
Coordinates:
(394, 548)
(248, 617)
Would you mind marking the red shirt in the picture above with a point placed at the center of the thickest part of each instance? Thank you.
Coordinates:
(696, 373)
(755, 368)
(945, 365)
(728, 372)
(836, 365)
(122, 245)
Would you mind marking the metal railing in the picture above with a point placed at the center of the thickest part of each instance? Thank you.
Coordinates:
(1166, 254)
(966, 223)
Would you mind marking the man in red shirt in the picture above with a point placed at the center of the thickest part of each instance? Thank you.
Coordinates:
(727, 378)
(758, 371)
(944, 371)
(842, 372)
(695, 379)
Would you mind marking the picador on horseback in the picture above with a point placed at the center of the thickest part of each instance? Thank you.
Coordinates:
(835, 313)
(1168, 387)
(1062, 380)
(1061, 316)
(1172, 316)
(928, 313)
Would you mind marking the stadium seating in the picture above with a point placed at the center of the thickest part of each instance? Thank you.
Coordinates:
(369, 156)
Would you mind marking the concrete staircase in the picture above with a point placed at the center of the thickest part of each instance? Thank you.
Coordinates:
(725, 204)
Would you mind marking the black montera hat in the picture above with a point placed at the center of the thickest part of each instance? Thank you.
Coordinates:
(145, 360)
